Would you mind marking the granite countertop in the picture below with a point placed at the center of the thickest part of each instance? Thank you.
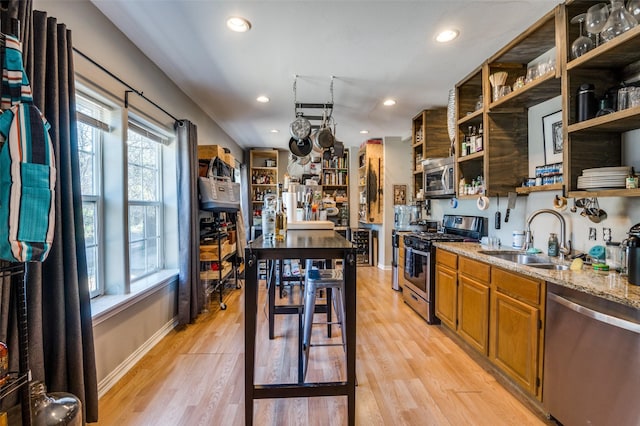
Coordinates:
(607, 285)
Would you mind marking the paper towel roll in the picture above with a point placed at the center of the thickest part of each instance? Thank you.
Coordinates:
(290, 204)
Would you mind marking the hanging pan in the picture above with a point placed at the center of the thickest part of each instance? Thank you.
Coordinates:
(300, 148)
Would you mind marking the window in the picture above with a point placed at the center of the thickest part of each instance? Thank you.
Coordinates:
(129, 209)
(92, 124)
(145, 201)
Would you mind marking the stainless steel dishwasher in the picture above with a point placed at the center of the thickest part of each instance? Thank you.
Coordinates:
(591, 360)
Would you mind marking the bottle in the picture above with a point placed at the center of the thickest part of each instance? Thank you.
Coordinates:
(552, 248)
(281, 218)
(470, 141)
(268, 218)
(479, 146)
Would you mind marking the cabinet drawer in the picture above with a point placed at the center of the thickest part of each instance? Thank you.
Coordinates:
(518, 286)
(447, 258)
(472, 268)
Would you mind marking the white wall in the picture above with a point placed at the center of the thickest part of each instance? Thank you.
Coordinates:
(122, 338)
(397, 171)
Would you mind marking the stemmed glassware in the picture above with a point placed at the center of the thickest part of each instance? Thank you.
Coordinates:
(596, 19)
(582, 44)
(634, 8)
(619, 21)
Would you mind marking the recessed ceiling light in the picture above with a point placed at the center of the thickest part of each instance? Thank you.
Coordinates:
(274, 131)
(262, 99)
(389, 102)
(364, 132)
(238, 24)
(447, 35)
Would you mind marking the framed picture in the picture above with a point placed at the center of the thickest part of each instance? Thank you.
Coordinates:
(399, 194)
(552, 134)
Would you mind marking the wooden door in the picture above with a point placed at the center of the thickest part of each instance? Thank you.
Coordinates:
(473, 313)
(514, 339)
(446, 295)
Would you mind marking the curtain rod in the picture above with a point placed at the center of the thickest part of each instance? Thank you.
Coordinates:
(131, 89)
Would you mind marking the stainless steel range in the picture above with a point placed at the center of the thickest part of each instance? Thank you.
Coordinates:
(419, 260)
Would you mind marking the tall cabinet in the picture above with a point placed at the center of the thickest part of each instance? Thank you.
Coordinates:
(598, 142)
(370, 181)
(263, 179)
(429, 139)
(335, 186)
(503, 161)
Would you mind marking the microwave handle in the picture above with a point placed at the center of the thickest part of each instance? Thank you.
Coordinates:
(445, 178)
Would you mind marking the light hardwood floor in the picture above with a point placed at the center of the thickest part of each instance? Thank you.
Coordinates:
(409, 373)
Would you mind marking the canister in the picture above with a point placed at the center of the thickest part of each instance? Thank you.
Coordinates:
(586, 104)
(518, 240)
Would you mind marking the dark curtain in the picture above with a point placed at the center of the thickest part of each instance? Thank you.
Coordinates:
(61, 351)
(190, 294)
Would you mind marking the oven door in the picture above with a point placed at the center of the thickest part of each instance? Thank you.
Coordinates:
(417, 271)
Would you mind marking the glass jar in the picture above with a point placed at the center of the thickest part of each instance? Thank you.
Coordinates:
(56, 408)
(620, 21)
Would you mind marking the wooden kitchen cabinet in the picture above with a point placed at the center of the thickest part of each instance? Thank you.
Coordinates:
(447, 288)
(504, 160)
(517, 328)
(370, 181)
(429, 139)
(499, 313)
(473, 303)
(462, 297)
(597, 142)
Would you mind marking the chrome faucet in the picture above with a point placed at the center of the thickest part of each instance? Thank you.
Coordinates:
(565, 245)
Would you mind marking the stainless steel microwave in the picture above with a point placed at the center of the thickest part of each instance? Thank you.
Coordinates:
(438, 177)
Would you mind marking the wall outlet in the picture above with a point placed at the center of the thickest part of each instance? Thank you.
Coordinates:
(606, 234)
(593, 234)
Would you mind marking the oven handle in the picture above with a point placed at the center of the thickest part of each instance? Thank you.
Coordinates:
(421, 253)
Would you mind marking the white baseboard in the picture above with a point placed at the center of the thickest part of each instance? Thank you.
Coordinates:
(122, 369)
(384, 267)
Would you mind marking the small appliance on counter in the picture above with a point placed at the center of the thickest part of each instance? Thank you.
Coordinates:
(633, 255)
(419, 260)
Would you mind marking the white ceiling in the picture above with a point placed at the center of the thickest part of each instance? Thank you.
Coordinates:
(375, 50)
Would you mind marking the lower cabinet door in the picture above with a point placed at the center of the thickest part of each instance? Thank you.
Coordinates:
(473, 313)
(446, 295)
(514, 340)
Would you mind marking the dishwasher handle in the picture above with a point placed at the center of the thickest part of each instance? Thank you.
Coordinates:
(598, 316)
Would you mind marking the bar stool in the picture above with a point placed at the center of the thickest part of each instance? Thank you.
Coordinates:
(321, 279)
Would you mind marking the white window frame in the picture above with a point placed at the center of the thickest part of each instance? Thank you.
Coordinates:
(154, 136)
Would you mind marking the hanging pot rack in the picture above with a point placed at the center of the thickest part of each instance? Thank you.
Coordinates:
(326, 107)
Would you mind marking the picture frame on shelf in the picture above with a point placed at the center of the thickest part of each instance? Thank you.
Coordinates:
(552, 137)
(399, 195)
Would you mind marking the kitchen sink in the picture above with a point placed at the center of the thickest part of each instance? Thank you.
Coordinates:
(554, 266)
(533, 260)
(517, 257)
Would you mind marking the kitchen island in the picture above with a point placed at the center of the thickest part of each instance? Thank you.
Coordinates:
(300, 244)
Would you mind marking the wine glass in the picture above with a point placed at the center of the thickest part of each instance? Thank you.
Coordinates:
(582, 44)
(634, 8)
(597, 16)
(619, 21)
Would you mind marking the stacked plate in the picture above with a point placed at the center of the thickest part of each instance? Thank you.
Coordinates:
(603, 178)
